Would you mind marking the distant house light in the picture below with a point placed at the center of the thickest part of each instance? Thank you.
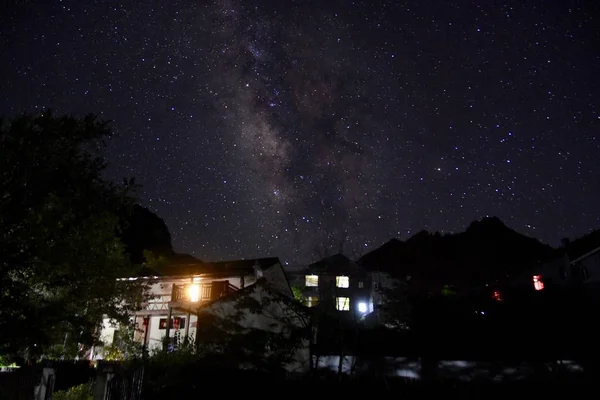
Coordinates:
(312, 280)
(538, 283)
(362, 307)
(497, 295)
(312, 301)
(342, 281)
(342, 303)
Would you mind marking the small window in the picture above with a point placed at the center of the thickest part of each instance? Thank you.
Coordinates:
(361, 284)
(312, 280)
(342, 303)
(312, 301)
(176, 323)
(375, 285)
(538, 283)
(342, 281)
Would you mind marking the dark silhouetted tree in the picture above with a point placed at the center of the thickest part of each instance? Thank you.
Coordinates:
(60, 255)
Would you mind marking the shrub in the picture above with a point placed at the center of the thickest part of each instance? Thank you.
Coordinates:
(84, 391)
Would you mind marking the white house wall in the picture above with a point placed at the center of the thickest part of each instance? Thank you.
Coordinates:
(276, 277)
(275, 317)
(156, 335)
(269, 319)
(161, 292)
(107, 332)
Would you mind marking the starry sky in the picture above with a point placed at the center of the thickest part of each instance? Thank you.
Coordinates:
(273, 128)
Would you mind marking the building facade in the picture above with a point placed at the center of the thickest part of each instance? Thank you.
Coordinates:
(181, 291)
(335, 285)
(577, 266)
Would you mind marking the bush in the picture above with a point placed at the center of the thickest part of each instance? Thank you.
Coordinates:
(84, 391)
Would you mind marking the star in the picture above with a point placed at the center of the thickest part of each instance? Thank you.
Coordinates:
(266, 129)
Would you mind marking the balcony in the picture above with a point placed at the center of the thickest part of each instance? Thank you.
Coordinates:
(201, 292)
(187, 296)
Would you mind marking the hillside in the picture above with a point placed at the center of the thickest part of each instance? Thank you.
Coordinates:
(487, 250)
(144, 230)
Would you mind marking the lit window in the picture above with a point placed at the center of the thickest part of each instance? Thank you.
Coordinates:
(497, 295)
(362, 307)
(312, 301)
(361, 285)
(538, 283)
(342, 281)
(342, 303)
(312, 280)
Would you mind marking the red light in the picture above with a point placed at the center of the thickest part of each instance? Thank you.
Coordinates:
(538, 284)
(497, 295)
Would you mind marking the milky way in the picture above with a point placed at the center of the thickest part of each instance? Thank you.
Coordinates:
(276, 128)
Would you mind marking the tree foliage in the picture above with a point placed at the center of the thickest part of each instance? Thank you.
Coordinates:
(262, 330)
(396, 309)
(124, 347)
(80, 392)
(60, 255)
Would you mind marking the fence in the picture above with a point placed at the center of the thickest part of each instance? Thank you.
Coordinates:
(123, 382)
(19, 384)
(159, 379)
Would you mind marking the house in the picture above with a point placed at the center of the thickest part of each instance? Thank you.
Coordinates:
(180, 289)
(576, 265)
(271, 328)
(335, 284)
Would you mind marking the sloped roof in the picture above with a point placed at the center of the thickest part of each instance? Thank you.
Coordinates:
(384, 257)
(583, 245)
(227, 268)
(336, 264)
(261, 283)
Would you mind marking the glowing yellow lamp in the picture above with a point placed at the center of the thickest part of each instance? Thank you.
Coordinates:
(194, 292)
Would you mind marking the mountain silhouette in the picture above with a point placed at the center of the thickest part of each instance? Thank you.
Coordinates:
(486, 251)
(144, 230)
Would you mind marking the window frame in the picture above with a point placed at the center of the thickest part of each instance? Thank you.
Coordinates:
(312, 301)
(345, 303)
(342, 278)
(162, 323)
(307, 277)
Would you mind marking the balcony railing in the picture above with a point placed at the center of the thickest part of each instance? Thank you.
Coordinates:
(159, 303)
(199, 292)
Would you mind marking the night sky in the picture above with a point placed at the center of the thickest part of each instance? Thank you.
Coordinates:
(268, 128)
